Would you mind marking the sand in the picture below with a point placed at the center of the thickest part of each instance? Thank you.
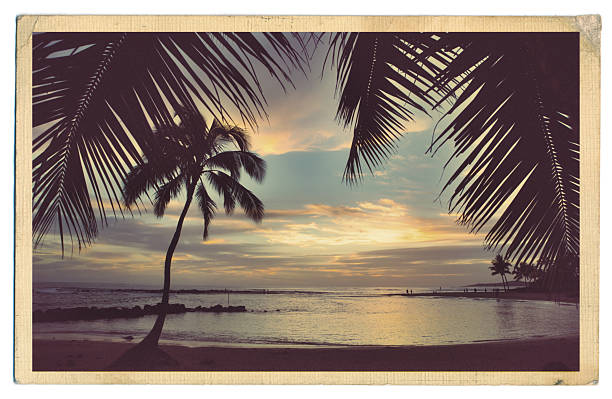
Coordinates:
(545, 354)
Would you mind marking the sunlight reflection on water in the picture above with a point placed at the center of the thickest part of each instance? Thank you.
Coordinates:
(354, 316)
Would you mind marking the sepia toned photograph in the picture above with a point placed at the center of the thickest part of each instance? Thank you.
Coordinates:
(308, 201)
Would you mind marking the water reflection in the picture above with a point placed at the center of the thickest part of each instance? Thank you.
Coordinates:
(339, 317)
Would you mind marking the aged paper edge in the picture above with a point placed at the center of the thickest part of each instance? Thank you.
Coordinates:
(590, 69)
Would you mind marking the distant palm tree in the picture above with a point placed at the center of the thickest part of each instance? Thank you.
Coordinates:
(509, 106)
(522, 271)
(533, 275)
(502, 267)
(197, 158)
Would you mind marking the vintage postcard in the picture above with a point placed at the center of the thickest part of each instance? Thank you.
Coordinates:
(307, 200)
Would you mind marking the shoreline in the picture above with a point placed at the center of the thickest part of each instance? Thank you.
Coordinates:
(534, 354)
(101, 339)
(523, 296)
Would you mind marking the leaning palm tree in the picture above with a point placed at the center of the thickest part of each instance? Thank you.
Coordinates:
(197, 159)
(502, 267)
(509, 106)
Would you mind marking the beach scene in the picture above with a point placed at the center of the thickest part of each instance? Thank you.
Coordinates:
(305, 202)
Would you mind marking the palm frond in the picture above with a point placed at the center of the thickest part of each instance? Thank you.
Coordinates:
(165, 193)
(224, 185)
(207, 206)
(141, 179)
(512, 105)
(382, 79)
(97, 97)
(233, 161)
(220, 135)
(251, 205)
(228, 186)
(517, 137)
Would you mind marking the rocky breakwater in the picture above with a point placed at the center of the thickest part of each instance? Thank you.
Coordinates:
(95, 313)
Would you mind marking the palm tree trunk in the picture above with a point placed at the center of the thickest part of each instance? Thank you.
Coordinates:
(152, 338)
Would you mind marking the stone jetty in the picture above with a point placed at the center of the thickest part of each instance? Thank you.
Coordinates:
(95, 313)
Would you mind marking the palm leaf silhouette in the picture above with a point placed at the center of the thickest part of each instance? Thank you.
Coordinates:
(512, 119)
(97, 97)
(376, 74)
(520, 133)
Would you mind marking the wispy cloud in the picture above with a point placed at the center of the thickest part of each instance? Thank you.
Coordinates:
(245, 265)
(380, 223)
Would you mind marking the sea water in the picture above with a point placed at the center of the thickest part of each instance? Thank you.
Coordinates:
(312, 317)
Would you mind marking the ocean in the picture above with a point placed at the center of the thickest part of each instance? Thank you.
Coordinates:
(307, 317)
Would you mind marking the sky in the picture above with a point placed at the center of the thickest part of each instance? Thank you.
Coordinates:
(317, 231)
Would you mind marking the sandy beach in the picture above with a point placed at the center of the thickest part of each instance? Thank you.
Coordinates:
(545, 354)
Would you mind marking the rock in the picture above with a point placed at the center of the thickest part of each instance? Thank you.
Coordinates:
(93, 313)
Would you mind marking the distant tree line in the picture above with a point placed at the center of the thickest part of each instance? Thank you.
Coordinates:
(564, 274)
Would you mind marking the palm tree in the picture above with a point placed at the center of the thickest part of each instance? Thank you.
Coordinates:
(533, 275)
(509, 106)
(97, 97)
(522, 271)
(502, 267)
(194, 158)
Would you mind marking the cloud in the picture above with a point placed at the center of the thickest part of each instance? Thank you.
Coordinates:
(305, 120)
(383, 222)
(315, 210)
(243, 265)
(276, 141)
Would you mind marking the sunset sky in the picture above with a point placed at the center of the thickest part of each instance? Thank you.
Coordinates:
(387, 231)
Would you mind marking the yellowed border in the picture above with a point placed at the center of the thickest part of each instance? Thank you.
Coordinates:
(589, 26)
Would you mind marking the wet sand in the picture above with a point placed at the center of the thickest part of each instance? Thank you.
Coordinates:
(545, 354)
